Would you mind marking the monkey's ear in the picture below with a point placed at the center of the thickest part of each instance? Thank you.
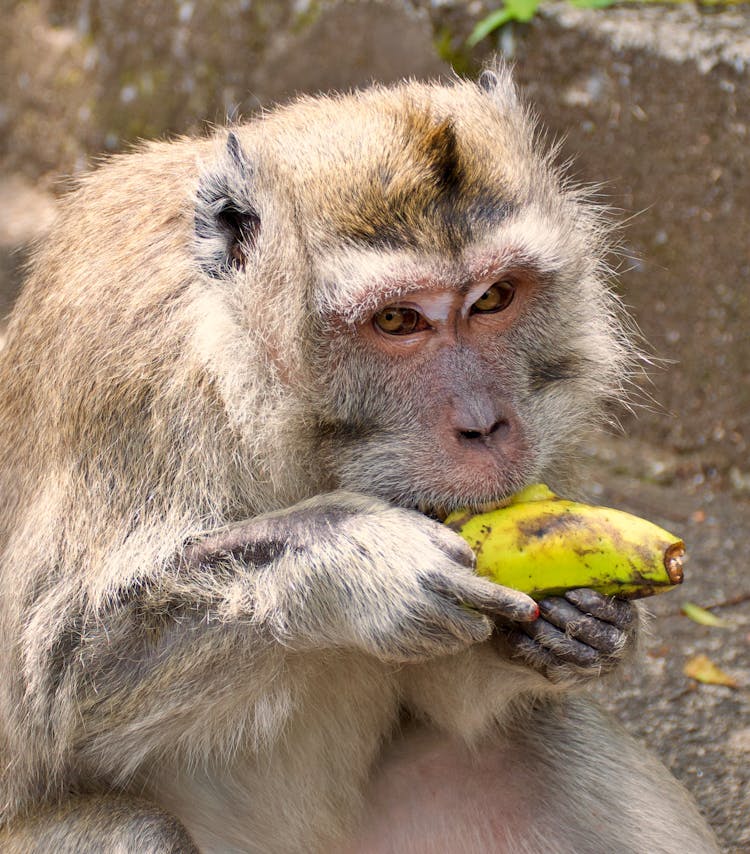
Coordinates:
(497, 82)
(226, 221)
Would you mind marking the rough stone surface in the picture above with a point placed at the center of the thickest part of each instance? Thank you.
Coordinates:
(653, 102)
(684, 33)
(81, 78)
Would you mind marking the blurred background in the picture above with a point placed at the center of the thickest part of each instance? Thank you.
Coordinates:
(652, 103)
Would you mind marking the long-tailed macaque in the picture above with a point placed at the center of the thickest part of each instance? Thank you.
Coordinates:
(246, 377)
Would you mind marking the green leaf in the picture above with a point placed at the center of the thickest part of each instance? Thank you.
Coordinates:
(704, 617)
(488, 25)
(512, 10)
(593, 4)
(522, 10)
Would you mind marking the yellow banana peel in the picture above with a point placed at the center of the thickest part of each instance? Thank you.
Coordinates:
(544, 545)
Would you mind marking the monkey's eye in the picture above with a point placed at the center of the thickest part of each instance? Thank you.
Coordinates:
(399, 320)
(496, 298)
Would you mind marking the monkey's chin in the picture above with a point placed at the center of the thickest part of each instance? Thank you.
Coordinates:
(479, 502)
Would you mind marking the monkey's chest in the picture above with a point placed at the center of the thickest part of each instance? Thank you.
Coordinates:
(303, 787)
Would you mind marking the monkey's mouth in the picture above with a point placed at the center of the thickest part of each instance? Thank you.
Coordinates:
(440, 512)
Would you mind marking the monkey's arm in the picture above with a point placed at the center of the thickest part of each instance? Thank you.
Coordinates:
(343, 570)
(155, 650)
(98, 824)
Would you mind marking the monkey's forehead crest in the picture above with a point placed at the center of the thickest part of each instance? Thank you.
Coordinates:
(418, 166)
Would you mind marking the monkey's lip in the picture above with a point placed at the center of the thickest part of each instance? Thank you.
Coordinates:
(441, 512)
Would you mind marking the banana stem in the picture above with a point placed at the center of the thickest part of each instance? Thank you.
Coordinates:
(673, 559)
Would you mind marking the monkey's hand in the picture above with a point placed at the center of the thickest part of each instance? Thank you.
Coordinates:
(343, 570)
(580, 636)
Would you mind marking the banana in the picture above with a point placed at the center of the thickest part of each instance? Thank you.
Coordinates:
(544, 545)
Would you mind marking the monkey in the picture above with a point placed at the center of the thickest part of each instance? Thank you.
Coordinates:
(247, 377)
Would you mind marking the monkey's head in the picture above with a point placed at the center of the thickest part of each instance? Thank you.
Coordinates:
(423, 278)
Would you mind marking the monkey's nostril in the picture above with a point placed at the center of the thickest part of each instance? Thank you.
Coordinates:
(501, 427)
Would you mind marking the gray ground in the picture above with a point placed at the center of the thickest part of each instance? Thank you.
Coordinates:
(702, 732)
(654, 101)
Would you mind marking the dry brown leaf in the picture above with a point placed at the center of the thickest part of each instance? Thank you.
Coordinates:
(702, 669)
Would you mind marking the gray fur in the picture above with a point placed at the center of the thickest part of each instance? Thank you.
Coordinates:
(216, 591)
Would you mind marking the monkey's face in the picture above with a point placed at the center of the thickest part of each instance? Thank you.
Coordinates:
(461, 336)
(455, 381)
(436, 414)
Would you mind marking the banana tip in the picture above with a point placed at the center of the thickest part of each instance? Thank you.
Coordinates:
(673, 559)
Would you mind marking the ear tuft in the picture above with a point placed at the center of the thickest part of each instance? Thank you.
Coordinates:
(497, 82)
(227, 222)
(487, 81)
(234, 149)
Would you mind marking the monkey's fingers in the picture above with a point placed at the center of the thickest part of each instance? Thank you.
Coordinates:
(594, 632)
(485, 596)
(560, 644)
(434, 625)
(521, 647)
(619, 612)
(451, 544)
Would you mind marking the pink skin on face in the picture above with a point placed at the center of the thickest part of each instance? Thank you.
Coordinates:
(445, 347)
(438, 307)
(446, 315)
